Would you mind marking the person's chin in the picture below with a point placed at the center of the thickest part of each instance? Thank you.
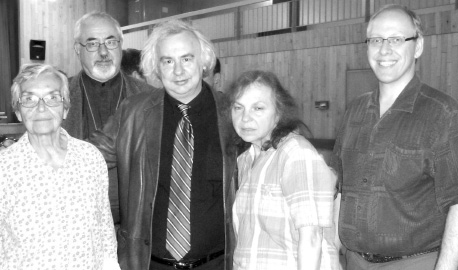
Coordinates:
(104, 73)
(44, 129)
(247, 137)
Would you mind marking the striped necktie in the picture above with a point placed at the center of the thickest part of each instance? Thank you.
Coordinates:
(178, 241)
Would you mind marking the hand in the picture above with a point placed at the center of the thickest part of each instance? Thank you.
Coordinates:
(7, 142)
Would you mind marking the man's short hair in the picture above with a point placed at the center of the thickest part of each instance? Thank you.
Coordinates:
(150, 60)
(33, 71)
(96, 15)
(130, 62)
(412, 15)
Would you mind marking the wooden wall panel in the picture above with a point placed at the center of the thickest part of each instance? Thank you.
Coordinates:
(215, 27)
(135, 40)
(192, 5)
(318, 69)
(313, 64)
(263, 19)
(319, 73)
(53, 21)
(322, 11)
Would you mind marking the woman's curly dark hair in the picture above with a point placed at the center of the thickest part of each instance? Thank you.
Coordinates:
(285, 106)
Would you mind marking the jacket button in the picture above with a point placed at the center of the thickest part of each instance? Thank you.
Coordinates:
(147, 242)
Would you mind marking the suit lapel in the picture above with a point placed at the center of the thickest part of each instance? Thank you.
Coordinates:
(153, 125)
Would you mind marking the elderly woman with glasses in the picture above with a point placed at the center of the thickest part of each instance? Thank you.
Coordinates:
(54, 209)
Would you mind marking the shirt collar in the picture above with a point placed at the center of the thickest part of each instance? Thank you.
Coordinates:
(196, 105)
(110, 84)
(405, 101)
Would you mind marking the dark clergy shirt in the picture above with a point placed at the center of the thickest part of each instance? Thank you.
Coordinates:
(207, 211)
(104, 98)
(400, 171)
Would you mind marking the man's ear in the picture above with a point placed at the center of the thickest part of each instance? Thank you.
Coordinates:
(419, 47)
(76, 48)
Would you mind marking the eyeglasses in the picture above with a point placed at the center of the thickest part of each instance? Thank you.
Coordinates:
(93, 46)
(393, 41)
(30, 101)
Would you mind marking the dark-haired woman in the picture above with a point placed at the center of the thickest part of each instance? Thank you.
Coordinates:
(286, 189)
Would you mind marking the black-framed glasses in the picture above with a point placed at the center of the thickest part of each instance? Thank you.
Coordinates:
(51, 100)
(393, 41)
(92, 46)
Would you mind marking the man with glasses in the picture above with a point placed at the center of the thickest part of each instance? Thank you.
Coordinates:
(397, 158)
(99, 88)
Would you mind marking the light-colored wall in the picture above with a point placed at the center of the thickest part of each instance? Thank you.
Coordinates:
(53, 21)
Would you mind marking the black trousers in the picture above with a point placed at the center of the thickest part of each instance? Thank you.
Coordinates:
(215, 264)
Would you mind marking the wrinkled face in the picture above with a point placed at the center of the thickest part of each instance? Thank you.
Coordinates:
(180, 66)
(103, 64)
(42, 119)
(393, 65)
(254, 114)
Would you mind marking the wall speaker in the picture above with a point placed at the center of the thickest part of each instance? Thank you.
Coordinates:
(37, 49)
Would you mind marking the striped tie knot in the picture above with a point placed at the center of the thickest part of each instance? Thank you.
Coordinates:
(184, 109)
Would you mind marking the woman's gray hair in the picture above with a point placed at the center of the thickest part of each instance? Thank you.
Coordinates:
(96, 15)
(33, 71)
(150, 59)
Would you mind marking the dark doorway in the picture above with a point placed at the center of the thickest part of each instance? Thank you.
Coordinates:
(9, 55)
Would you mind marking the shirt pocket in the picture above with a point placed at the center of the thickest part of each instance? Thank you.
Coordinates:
(403, 168)
(357, 133)
(272, 208)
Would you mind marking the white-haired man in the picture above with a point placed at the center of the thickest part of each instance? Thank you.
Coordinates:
(173, 144)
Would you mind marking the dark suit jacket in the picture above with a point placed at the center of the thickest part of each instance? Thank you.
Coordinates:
(131, 140)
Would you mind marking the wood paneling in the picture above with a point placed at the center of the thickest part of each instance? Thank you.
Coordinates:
(54, 22)
(219, 26)
(135, 40)
(313, 64)
(193, 5)
(322, 11)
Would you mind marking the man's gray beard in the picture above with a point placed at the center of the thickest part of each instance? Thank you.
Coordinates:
(103, 74)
